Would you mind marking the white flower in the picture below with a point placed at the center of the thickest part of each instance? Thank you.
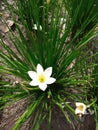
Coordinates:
(41, 78)
(36, 28)
(80, 108)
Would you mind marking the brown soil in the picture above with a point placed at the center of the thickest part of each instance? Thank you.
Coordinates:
(11, 114)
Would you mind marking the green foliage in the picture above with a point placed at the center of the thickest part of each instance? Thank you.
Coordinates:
(84, 14)
(57, 44)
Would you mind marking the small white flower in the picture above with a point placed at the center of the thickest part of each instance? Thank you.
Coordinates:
(35, 27)
(42, 77)
(80, 108)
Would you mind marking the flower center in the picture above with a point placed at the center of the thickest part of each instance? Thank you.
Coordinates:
(41, 78)
(80, 107)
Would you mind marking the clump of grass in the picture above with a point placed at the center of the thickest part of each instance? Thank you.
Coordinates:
(51, 39)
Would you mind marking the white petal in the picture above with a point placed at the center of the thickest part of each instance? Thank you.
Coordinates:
(43, 87)
(35, 27)
(79, 104)
(33, 83)
(48, 71)
(39, 69)
(77, 111)
(50, 80)
(32, 74)
(40, 28)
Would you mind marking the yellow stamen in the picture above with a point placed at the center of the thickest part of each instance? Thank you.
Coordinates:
(80, 107)
(41, 78)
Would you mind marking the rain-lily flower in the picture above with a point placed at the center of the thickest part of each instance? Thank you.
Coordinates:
(80, 108)
(41, 77)
(35, 27)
